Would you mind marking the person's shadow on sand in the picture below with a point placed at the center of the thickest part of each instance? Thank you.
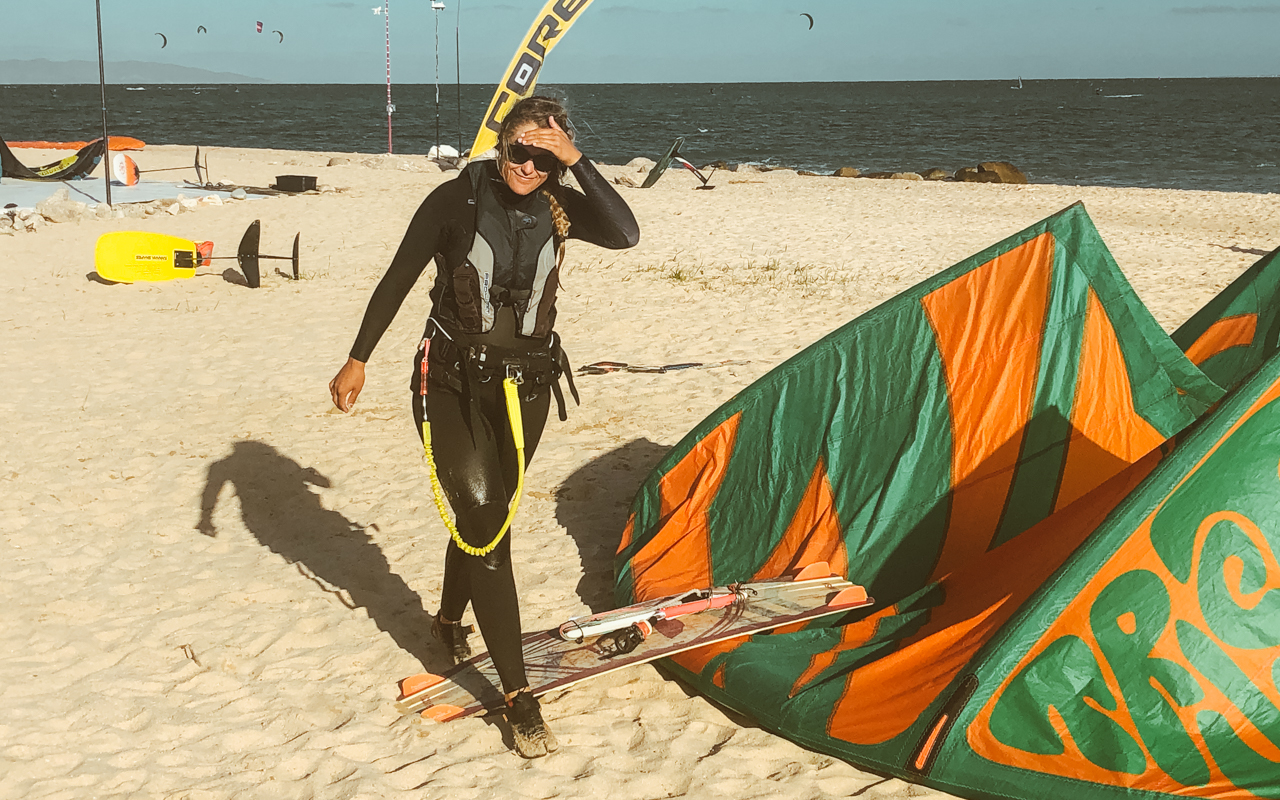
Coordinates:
(592, 505)
(326, 547)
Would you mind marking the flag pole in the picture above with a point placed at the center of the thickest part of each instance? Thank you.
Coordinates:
(457, 56)
(386, 9)
(102, 87)
(437, 6)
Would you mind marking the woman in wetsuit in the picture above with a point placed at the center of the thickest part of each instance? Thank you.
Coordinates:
(497, 234)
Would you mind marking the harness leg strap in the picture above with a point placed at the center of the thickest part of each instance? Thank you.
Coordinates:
(562, 361)
(559, 395)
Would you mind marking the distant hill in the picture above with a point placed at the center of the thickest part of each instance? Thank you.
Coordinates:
(43, 71)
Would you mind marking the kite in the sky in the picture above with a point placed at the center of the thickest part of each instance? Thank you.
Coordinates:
(281, 35)
(201, 29)
(259, 26)
(378, 10)
(810, 16)
(164, 40)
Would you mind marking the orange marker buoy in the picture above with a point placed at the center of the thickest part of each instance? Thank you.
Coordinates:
(125, 169)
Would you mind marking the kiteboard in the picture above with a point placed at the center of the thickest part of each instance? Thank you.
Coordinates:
(588, 647)
(129, 256)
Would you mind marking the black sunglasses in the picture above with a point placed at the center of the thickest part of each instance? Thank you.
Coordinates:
(542, 162)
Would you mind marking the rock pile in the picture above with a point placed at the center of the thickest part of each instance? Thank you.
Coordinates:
(986, 172)
(410, 163)
(60, 208)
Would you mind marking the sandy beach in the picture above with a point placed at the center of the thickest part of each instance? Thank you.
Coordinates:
(215, 578)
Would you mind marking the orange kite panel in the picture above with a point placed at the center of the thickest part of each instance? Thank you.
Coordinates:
(814, 533)
(813, 536)
(883, 699)
(1107, 434)
(1223, 335)
(852, 636)
(992, 362)
(679, 554)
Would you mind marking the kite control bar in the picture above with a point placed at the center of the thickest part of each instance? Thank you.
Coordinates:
(643, 617)
(248, 255)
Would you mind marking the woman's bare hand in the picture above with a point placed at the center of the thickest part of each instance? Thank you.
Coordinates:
(346, 385)
(554, 140)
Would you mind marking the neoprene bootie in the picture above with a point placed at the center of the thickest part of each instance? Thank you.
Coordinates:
(531, 735)
(453, 635)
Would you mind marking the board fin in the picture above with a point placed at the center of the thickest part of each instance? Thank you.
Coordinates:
(818, 569)
(416, 683)
(853, 596)
(442, 713)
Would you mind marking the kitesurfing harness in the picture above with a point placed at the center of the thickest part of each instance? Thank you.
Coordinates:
(464, 365)
(511, 391)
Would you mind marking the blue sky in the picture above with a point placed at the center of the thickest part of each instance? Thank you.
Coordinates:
(617, 41)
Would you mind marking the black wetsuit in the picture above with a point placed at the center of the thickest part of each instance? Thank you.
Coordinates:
(470, 433)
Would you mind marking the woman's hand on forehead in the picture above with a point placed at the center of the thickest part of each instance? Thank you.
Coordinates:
(554, 140)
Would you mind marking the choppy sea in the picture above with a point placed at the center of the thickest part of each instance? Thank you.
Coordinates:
(1215, 133)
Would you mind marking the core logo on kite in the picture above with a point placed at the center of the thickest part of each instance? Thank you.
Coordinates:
(1165, 665)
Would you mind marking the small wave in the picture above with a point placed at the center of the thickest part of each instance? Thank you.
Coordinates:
(135, 88)
(1122, 95)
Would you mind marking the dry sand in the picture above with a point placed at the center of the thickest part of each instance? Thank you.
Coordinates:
(144, 658)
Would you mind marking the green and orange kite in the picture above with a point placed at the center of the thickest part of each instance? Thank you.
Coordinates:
(1069, 518)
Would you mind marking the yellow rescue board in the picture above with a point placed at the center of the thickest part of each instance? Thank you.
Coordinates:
(128, 256)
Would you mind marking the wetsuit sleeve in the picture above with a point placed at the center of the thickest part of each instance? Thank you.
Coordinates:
(599, 216)
(421, 242)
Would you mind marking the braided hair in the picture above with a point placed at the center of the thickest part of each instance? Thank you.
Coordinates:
(538, 109)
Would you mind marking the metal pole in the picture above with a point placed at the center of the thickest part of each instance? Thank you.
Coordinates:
(102, 87)
(457, 53)
(390, 108)
(437, 7)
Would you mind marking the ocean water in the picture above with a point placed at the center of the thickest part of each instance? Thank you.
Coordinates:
(1220, 134)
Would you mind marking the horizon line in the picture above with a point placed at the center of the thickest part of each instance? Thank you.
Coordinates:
(266, 81)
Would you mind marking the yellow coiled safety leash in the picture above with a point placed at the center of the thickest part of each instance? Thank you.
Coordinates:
(511, 390)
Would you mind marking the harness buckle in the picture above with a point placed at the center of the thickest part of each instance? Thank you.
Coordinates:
(479, 356)
(515, 374)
